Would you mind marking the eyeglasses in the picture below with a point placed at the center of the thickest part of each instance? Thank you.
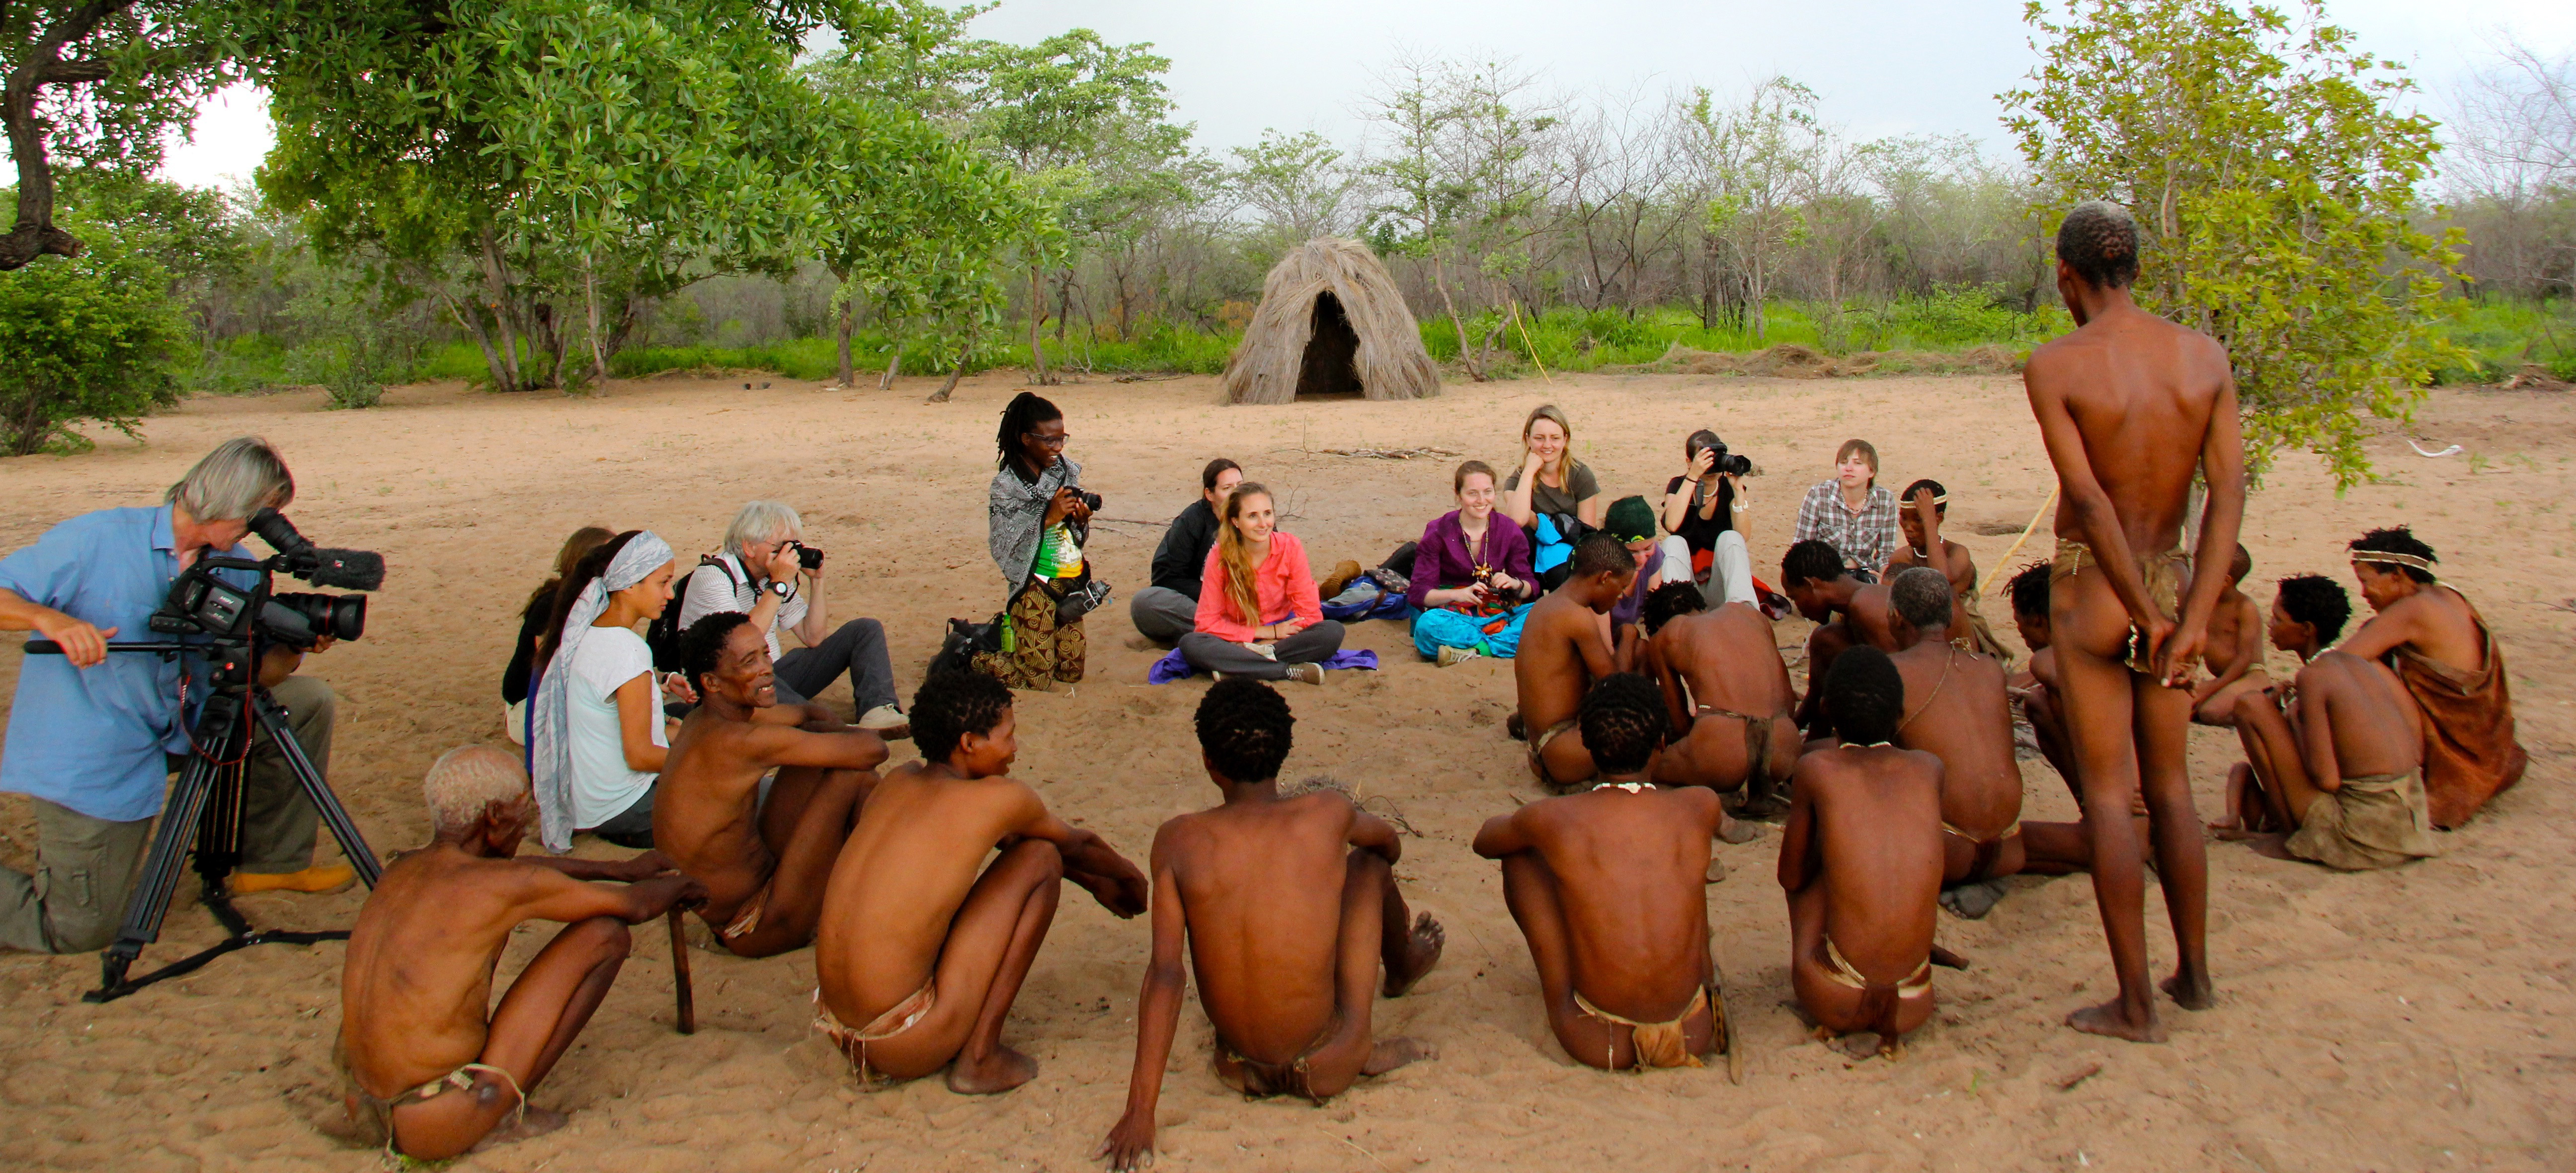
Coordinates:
(1054, 441)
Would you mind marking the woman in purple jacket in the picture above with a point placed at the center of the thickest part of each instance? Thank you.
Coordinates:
(1471, 576)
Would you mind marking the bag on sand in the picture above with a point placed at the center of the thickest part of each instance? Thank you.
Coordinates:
(966, 640)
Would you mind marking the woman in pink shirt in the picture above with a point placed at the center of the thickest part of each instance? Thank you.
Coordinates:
(1258, 614)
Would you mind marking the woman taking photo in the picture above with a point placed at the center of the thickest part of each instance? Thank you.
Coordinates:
(1040, 520)
(533, 619)
(1851, 513)
(1471, 572)
(597, 737)
(1550, 482)
(1259, 615)
(1699, 516)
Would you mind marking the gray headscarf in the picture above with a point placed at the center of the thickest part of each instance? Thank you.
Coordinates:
(550, 716)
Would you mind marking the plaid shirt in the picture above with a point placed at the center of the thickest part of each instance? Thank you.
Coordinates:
(1866, 539)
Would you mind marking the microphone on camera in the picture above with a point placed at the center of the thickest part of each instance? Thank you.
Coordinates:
(353, 570)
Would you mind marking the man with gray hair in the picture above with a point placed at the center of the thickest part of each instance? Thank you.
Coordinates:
(93, 737)
(757, 574)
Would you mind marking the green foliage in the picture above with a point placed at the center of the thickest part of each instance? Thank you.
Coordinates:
(2273, 176)
(91, 337)
(2495, 338)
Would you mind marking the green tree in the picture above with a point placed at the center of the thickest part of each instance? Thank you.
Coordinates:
(92, 336)
(1758, 163)
(99, 83)
(2274, 183)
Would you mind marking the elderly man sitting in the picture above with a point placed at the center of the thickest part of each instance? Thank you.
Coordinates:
(757, 574)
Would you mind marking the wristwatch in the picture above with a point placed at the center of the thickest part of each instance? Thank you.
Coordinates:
(782, 589)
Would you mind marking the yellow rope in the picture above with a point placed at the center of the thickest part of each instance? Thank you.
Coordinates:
(2026, 531)
(1523, 323)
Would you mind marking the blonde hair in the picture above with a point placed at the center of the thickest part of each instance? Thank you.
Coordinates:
(240, 477)
(467, 779)
(1233, 553)
(1566, 464)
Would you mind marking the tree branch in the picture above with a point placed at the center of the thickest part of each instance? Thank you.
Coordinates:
(34, 234)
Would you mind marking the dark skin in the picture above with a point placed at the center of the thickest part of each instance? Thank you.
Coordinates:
(1723, 658)
(2429, 619)
(910, 901)
(2036, 685)
(2352, 718)
(1289, 907)
(1562, 652)
(1040, 447)
(1861, 861)
(1924, 546)
(2235, 651)
(1957, 711)
(1848, 612)
(707, 814)
(1609, 890)
(2130, 405)
(417, 982)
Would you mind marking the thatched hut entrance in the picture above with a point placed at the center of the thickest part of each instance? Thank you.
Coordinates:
(1331, 321)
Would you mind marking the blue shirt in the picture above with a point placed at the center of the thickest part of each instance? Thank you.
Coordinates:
(92, 739)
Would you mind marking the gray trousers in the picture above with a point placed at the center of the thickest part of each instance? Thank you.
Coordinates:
(857, 647)
(86, 868)
(1209, 653)
(1163, 615)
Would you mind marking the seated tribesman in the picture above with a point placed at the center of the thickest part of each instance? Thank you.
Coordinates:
(1959, 712)
(1861, 860)
(1847, 611)
(1727, 690)
(430, 1072)
(2344, 764)
(915, 944)
(2034, 688)
(1561, 653)
(1926, 505)
(1608, 888)
(2235, 654)
(763, 858)
(2440, 646)
(1289, 907)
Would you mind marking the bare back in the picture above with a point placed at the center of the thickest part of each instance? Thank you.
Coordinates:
(2435, 621)
(2141, 392)
(1262, 887)
(1631, 872)
(1872, 819)
(1560, 653)
(2371, 723)
(920, 844)
(1957, 710)
(1723, 658)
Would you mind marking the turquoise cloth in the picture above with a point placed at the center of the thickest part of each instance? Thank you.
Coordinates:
(1443, 628)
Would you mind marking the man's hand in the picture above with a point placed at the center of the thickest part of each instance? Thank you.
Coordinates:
(1111, 880)
(1131, 1143)
(782, 563)
(1925, 510)
(2175, 651)
(82, 644)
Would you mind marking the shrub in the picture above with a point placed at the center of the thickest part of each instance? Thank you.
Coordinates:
(92, 337)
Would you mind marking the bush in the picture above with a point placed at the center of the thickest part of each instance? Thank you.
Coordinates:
(92, 337)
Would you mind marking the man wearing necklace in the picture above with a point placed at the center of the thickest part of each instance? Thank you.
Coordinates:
(1861, 860)
(1608, 887)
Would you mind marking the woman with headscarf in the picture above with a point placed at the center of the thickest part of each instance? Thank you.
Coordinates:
(595, 734)
(1040, 519)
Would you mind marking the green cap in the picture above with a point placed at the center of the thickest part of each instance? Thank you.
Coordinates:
(1630, 520)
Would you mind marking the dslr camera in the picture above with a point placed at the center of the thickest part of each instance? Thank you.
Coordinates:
(201, 604)
(1090, 500)
(1727, 463)
(807, 556)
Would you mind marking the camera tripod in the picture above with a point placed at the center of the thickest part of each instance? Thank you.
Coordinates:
(206, 809)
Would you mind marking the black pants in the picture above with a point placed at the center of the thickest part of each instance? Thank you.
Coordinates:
(1314, 645)
(858, 647)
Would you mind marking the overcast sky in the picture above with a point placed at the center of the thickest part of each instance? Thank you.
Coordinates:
(1881, 66)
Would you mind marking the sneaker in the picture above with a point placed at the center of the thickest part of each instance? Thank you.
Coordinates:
(324, 878)
(1454, 656)
(1306, 673)
(886, 721)
(1343, 572)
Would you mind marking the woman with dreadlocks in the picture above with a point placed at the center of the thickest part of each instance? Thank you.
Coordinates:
(1040, 519)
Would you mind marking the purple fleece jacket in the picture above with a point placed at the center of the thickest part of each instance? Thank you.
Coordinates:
(1441, 561)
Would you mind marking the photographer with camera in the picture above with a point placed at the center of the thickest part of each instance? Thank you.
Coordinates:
(1699, 519)
(93, 737)
(1040, 517)
(757, 574)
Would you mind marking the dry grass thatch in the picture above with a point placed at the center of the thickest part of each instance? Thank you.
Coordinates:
(1330, 320)
(1788, 360)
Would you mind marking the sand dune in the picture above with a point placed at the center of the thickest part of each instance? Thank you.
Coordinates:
(2416, 1019)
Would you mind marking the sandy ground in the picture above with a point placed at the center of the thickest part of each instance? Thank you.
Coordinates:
(2415, 1019)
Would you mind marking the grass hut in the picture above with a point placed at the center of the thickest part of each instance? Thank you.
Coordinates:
(1331, 320)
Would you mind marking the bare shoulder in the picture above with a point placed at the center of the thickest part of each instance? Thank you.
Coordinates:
(1699, 801)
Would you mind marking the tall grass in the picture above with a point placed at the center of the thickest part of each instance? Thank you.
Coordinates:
(2505, 335)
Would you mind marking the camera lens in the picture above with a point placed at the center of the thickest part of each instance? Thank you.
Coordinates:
(299, 619)
(808, 557)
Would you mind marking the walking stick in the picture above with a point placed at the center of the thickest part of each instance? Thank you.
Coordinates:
(680, 975)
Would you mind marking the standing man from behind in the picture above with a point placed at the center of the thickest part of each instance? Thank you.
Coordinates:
(2130, 406)
(93, 736)
(756, 574)
(1168, 610)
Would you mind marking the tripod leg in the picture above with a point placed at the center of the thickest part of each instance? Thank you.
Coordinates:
(151, 902)
(334, 816)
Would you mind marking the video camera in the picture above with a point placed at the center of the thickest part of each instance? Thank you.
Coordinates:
(201, 604)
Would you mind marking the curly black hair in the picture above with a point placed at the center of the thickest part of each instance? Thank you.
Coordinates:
(1865, 696)
(1669, 602)
(2029, 589)
(1026, 411)
(2317, 601)
(703, 643)
(1939, 494)
(1813, 560)
(1244, 728)
(2397, 539)
(2099, 240)
(1623, 721)
(951, 705)
(1600, 553)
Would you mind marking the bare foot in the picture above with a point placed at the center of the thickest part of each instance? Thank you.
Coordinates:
(1739, 831)
(1390, 1054)
(1973, 900)
(1422, 951)
(2271, 845)
(1001, 1071)
(1862, 1044)
(2106, 1019)
(2191, 992)
(534, 1122)
(1716, 870)
(1948, 960)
